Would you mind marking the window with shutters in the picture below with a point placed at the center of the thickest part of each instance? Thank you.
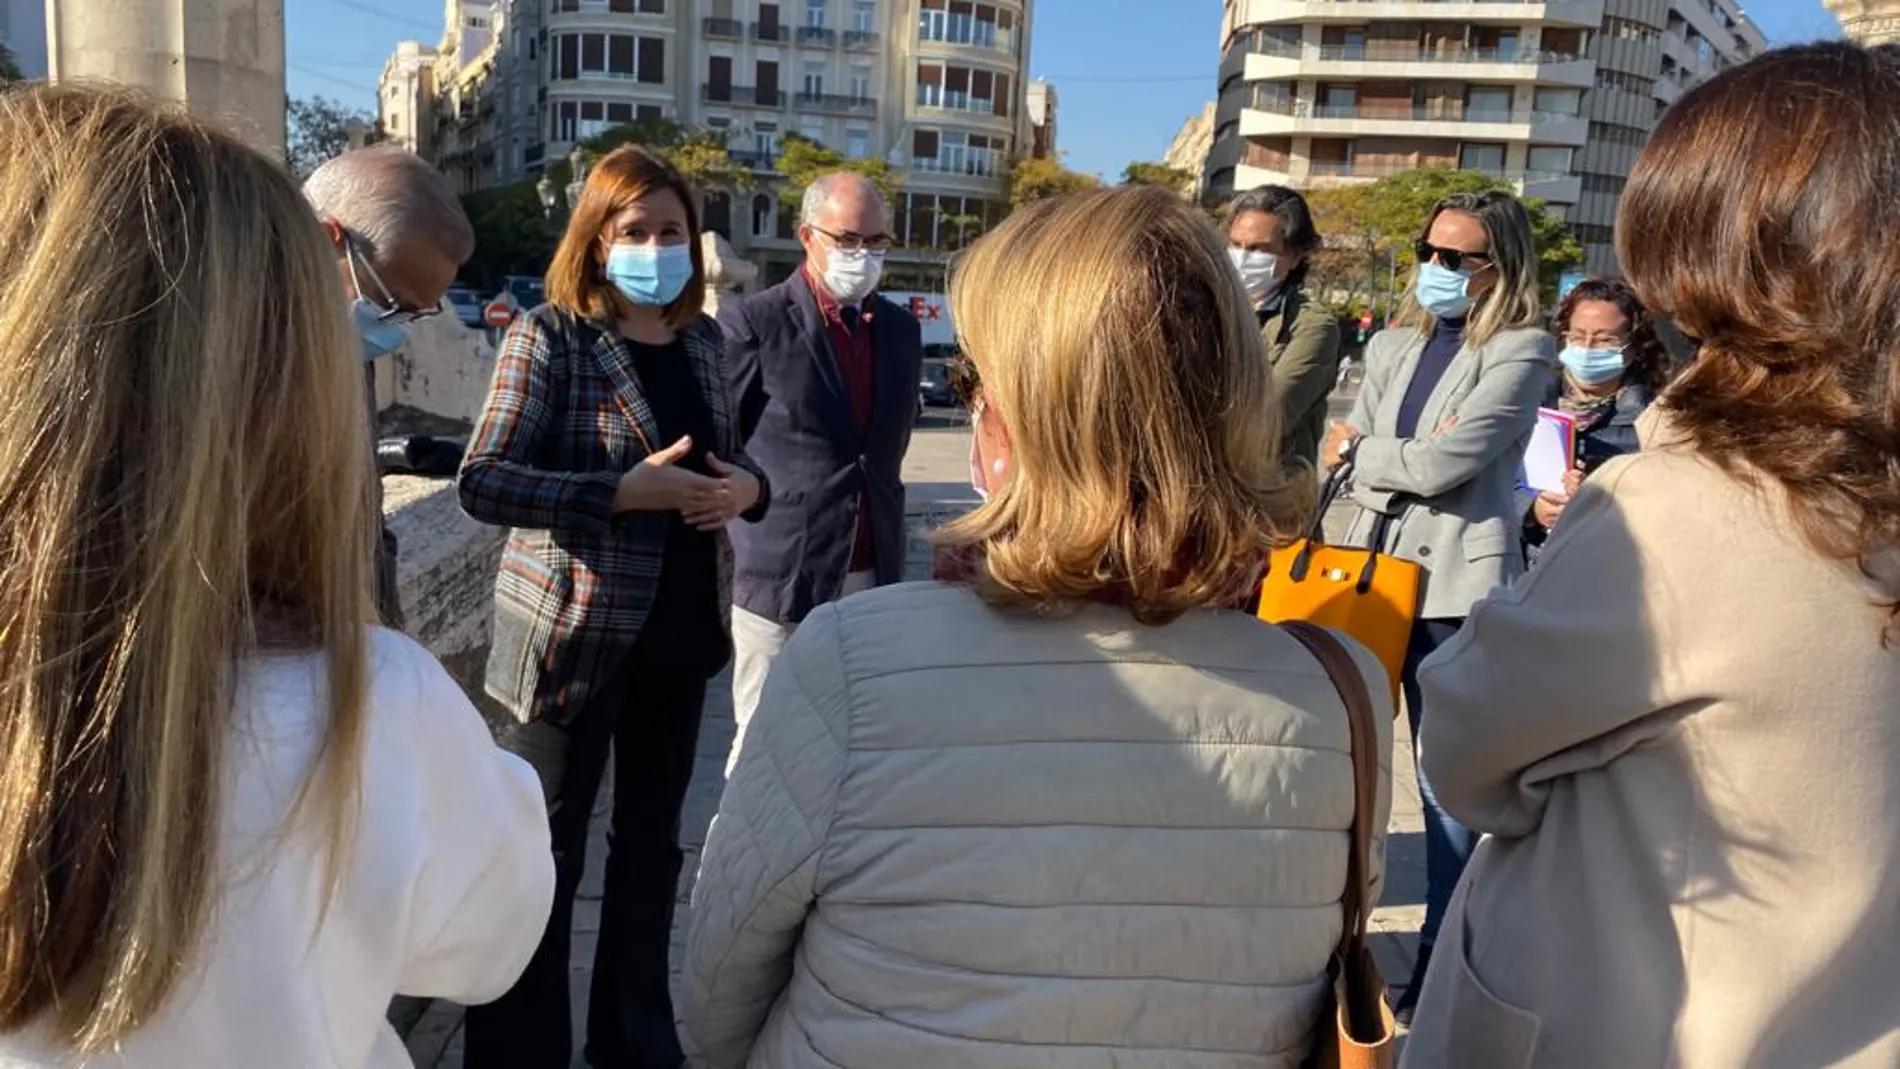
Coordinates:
(956, 88)
(648, 113)
(762, 212)
(860, 81)
(929, 85)
(924, 144)
(566, 120)
(982, 89)
(593, 118)
(1005, 104)
(619, 114)
(934, 20)
(653, 60)
(857, 144)
(593, 53)
(864, 16)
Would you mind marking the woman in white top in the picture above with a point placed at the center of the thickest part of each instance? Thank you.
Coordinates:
(235, 818)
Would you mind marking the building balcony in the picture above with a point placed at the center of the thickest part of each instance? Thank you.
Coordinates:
(756, 161)
(817, 37)
(986, 167)
(1304, 118)
(969, 110)
(723, 29)
(771, 32)
(744, 95)
(861, 40)
(1359, 62)
(835, 103)
(1582, 14)
(1004, 46)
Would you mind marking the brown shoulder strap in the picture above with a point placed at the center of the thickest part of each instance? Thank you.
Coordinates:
(1351, 684)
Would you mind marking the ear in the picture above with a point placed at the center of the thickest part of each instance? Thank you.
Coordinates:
(337, 237)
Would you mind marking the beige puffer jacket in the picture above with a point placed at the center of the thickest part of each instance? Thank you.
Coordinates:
(962, 838)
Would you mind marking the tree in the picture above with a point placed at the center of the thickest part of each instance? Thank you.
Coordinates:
(1158, 174)
(513, 234)
(319, 130)
(1039, 178)
(1369, 232)
(802, 160)
(698, 154)
(9, 71)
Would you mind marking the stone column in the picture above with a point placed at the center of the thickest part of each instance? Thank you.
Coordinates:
(726, 273)
(224, 59)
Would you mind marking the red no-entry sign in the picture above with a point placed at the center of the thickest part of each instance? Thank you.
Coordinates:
(498, 314)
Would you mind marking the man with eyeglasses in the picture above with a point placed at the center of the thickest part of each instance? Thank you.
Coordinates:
(824, 379)
(400, 236)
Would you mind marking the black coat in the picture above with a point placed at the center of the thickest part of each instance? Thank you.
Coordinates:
(794, 418)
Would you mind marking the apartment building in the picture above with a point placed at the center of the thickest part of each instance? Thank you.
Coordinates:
(1554, 96)
(1870, 22)
(936, 87)
(406, 98)
(1647, 52)
(1042, 120)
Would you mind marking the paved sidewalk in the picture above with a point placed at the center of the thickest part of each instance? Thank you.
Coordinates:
(936, 473)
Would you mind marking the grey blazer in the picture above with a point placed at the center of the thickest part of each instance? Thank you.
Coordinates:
(1450, 491)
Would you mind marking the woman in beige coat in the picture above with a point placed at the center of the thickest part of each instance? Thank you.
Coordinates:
(1680, 730)
(1069, 811)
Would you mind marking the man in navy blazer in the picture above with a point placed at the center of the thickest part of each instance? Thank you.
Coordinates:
(825, 385)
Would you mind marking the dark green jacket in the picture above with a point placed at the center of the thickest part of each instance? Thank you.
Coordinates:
(1303, 353)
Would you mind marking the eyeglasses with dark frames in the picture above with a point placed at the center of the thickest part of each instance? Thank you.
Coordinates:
(850, 242)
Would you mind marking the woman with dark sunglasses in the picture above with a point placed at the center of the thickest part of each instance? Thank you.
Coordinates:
(1435, 439)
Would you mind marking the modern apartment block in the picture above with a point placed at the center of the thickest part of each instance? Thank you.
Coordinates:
(936, 87)
(1647, 52)
(1554, 96)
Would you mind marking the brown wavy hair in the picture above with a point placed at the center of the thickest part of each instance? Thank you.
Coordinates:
(1763, 218)
(1145, 440)
(1647, 361)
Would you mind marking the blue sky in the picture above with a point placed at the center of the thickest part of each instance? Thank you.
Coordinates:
(1127, 72)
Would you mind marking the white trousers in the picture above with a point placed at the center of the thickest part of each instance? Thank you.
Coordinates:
(755, 641)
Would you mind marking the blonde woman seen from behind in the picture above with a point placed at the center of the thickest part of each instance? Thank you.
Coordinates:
(235, 818)
(1068, 808)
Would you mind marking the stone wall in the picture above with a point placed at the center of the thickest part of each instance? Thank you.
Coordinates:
(443, 369)
(446, 575)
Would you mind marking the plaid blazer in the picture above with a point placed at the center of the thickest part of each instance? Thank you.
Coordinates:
(565, 418)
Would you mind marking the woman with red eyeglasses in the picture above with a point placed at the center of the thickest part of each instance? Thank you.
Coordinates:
(1435, 439)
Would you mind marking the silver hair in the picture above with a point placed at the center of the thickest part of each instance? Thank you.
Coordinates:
(384, 195)
(825, 186)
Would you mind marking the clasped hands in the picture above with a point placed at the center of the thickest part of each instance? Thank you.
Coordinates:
(1549, 507)
(708, 502)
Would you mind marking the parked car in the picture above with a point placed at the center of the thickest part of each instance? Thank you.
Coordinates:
(528, 290)
(468, 306)
(934, 386)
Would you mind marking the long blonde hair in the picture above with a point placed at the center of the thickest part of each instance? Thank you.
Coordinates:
(1515, 302)
(1113, 340)
(183, 482)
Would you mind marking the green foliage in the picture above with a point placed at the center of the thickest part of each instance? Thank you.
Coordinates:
(513, 235)
(1369, 232)
(318, 130)
(802, 160)
(698, 154)
(1036, 179)
(1158, 174)
(9, 71)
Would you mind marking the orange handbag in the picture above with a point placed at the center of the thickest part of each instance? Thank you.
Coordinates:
(1370, 595)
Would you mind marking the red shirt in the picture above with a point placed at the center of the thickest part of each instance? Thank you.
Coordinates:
(851, 345)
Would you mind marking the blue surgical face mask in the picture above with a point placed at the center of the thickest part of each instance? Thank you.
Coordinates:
(650, 275)
(380, 338)
(1441, 291)
(1592, 367)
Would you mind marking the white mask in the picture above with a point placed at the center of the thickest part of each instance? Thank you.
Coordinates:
(1256, 272)
(851, 276)
(976, 455)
